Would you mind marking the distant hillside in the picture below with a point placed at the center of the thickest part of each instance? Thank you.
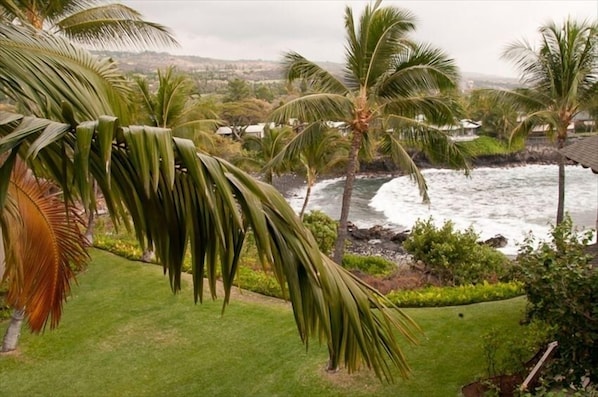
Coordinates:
(255, 70)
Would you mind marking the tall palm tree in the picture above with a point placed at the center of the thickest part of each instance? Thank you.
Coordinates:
(561, 80)
(94, 23)
(389, 83)
(175, 104)
(180, 199)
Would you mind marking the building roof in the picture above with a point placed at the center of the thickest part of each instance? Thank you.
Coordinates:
(584, 152)
(224, 131)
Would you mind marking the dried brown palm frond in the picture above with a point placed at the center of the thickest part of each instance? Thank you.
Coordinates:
(46, 245)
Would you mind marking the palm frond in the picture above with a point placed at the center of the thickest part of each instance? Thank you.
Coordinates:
(386, 36)
(45, 241)
(209, 205)
(431, 140)
(438, 109)
(417, 69)
(32, 71)
(112, 26)
(296, 67)
(381, 34)
(390, 145)
(314, 107)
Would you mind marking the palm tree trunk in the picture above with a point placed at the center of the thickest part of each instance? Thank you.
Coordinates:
(90, 226)
(311, 180)
(339, 246)
(307, 193)
(11, 337)
(560, 211)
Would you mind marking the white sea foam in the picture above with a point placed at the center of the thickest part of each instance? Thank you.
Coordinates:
(507, 201)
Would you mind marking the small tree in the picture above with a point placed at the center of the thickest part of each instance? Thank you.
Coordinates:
(454, 256)
(562, 289)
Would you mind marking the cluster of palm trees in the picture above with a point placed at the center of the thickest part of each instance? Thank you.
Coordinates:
(70, 129)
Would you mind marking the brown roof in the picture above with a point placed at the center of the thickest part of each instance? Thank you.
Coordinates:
(584, 151)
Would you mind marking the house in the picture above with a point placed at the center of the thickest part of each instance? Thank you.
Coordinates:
(224, 131)
(253, 129)
(465, 130)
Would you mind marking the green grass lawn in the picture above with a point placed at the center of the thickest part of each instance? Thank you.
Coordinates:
(125, 334)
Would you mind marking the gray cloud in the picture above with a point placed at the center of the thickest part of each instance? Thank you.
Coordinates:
(473, 32)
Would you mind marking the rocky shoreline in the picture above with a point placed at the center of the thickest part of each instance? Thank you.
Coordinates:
(387, 243)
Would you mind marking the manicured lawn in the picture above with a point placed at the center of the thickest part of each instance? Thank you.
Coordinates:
(125, 334)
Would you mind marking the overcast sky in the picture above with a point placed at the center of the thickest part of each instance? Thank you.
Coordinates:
(474, 33)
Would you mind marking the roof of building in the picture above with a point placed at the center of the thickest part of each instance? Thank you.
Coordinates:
(584, 152)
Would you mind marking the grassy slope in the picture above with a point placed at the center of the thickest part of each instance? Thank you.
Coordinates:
(125, 334)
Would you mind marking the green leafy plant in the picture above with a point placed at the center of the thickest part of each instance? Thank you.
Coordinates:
(372, 265)
(258, 281)
(488, 146)
(454, 296)
(455, 257)
(561, 287)
(507, 353)
(323, 228)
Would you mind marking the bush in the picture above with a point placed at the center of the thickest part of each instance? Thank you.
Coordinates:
(259, 281)
(372, 265)
(562, 290)
(323, 229)
(455, 257)
(508, 354)
(455, 296)
(488, 146)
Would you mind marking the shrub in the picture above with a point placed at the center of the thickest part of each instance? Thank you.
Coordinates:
(562, 289)
(488, 146)
(455, 296)
(372, 265)
(323, 229)
(259, 281)
(454, 257)
(507, 354)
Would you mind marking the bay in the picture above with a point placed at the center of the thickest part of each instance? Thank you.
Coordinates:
(509, 201)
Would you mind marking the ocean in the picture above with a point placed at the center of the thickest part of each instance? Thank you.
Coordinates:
(510, 201)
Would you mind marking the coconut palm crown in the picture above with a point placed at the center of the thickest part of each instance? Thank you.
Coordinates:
(391, 84)
(561, 80)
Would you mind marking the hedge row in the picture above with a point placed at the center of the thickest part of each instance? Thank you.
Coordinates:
(266, 284)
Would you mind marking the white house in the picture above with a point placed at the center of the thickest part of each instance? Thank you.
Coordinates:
(253, 129)
(465, 130)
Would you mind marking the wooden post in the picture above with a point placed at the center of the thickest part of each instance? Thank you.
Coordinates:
(533, 375)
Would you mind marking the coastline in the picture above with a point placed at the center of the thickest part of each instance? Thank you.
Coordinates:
(384, 167)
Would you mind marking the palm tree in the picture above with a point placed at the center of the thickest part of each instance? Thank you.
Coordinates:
(93, 23)
(45, 247)
(319, 149)
(265, 149)
(180, 199)
(498, 117)
(176, 105)
(561, 80)
(389, 83)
